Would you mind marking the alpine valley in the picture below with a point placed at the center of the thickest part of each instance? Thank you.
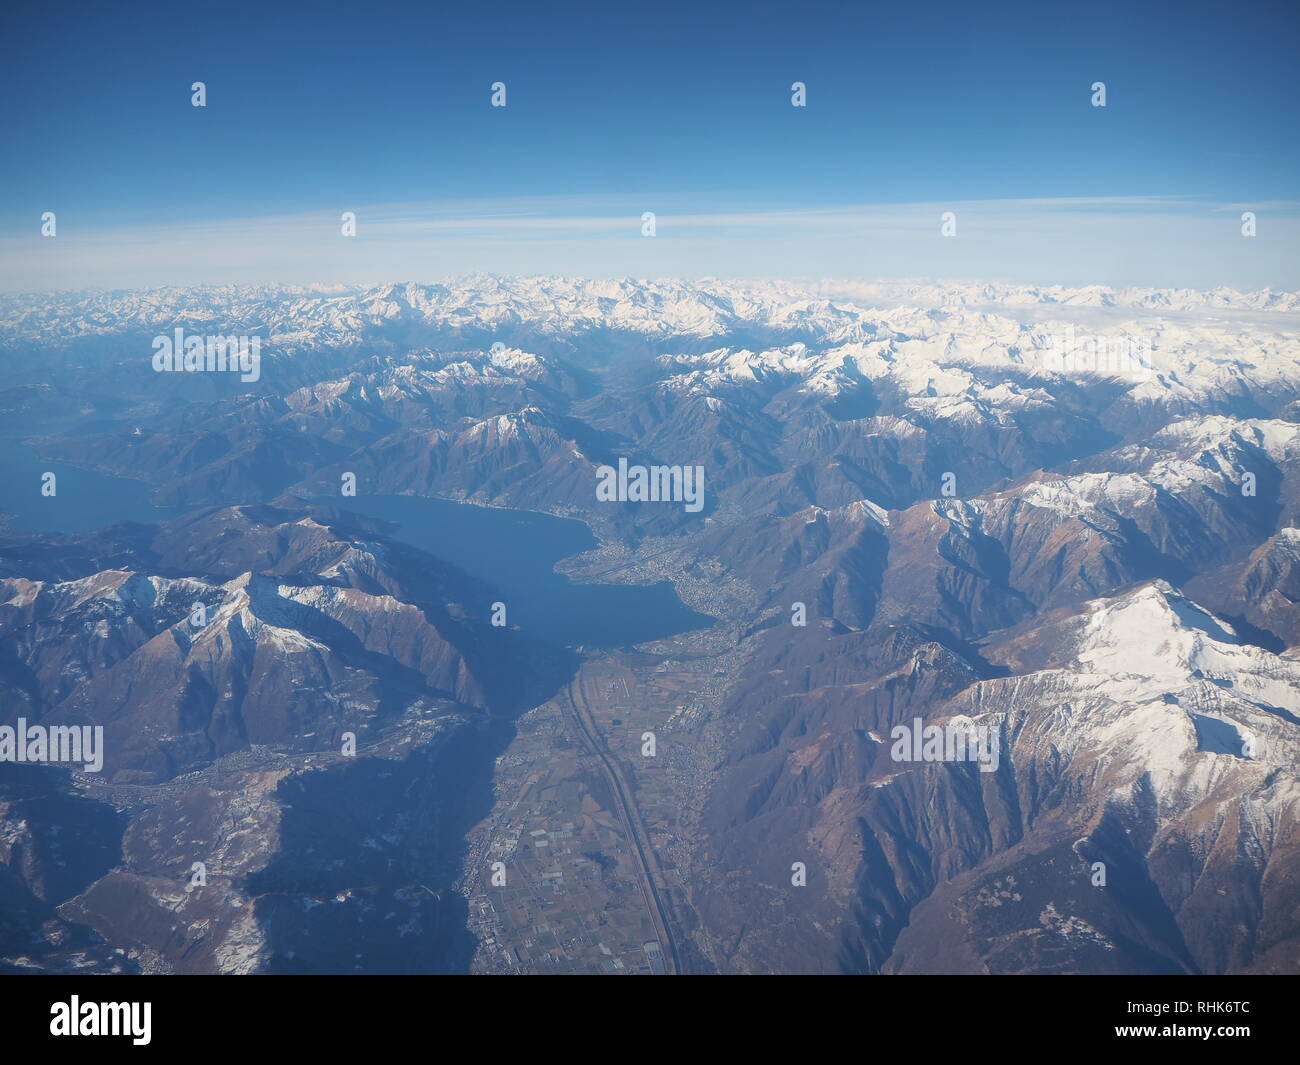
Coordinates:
(386, 685)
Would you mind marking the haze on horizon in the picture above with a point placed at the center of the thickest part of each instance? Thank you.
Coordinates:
(664, 108)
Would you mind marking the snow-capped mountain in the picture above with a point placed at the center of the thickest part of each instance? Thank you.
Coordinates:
(1065, 516)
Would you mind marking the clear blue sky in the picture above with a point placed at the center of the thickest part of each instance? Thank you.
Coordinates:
(679, 108)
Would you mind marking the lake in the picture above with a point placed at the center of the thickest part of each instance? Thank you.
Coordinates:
(515, 552)
(512, 550)
(84, 499)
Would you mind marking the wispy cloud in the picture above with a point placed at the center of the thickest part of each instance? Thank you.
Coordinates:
(1156, 240)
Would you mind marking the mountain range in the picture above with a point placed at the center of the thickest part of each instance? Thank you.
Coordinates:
(1067, 517)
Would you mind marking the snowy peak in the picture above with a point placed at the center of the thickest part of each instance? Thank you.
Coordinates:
(1154, 631)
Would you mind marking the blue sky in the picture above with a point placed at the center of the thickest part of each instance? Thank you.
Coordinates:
(681, 109)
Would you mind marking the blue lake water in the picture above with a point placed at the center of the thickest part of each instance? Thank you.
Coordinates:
(512, 550)
(83, 499)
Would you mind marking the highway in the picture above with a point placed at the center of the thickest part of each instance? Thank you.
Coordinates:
(631, 819)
